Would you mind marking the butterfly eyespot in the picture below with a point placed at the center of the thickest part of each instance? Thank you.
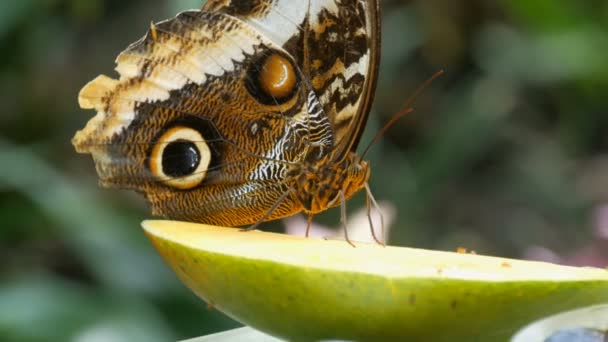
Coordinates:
(277, 77)
(272, 79)
(180, 158)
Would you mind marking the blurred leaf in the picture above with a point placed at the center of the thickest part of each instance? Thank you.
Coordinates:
(501, 154)
(402, 33)
(552, 15)
(12, 12)
(102, 239)
(177, 6)
(43, 308)
(567, 55)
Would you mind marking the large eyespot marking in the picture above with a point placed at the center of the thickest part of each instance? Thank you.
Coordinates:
(272, 78)
(180, 158)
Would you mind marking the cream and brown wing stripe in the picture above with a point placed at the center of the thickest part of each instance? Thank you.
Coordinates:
(173, 53)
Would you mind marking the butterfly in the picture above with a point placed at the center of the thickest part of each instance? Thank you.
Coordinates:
(239, 113)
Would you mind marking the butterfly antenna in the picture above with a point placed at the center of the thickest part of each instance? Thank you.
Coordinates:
(405, 109)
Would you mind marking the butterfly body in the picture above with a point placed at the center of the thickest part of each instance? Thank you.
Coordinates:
(318, 187)
(240, 112)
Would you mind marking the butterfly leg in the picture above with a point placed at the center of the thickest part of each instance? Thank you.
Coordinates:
(343, 218)
(308, 224)
(369, 200)
(269, 212)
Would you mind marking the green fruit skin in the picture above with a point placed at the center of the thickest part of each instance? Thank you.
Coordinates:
(304, 304)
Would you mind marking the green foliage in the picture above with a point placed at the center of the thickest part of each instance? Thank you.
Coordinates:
(506, 154)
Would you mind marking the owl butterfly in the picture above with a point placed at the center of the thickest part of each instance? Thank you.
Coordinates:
(242, 112)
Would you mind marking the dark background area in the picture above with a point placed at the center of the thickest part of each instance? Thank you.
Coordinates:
(507, 154)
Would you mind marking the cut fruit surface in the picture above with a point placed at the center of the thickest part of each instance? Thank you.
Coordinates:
(308, 289)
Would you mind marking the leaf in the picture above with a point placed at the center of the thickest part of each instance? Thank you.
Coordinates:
(308, 289)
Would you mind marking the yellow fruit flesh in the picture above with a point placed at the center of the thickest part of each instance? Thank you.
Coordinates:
(309, 289)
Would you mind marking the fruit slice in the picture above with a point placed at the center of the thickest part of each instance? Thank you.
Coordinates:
(306, 289)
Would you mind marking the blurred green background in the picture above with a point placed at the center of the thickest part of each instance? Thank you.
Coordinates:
(507, 154)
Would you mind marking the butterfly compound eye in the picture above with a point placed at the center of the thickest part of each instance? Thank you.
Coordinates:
(272, 79)
(180, 158)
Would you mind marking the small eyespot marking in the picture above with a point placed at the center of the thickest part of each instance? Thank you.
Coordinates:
(254, 128)
(272, 79)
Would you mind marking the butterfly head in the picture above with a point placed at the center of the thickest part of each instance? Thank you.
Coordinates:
(357, 175)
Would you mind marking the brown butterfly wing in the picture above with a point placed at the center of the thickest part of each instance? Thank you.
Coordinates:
(344, 55)
(189, 72)
(337, 43)
(185, 86)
